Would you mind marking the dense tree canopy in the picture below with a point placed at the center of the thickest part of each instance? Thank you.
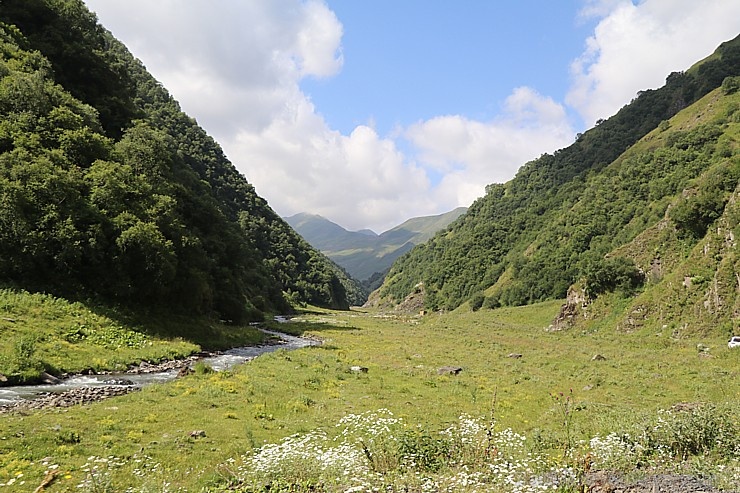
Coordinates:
(108, 189)
(553, 224)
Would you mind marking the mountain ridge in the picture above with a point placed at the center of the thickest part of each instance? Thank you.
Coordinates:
(559, 220)
(362, 254)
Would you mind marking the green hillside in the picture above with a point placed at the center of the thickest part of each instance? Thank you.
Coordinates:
(366, 255)
(109, 191)
(667, 162)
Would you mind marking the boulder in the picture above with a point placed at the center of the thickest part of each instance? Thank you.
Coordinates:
(358, 369)
(598, 357)
(514, 355)
(449, 370)
(50, 379)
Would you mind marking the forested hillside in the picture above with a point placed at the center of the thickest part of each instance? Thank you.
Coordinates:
(569, 217)
(108, 190)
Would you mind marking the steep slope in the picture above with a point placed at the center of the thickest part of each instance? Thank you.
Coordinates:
(682, 250)
(420, 229)
(533, 237)
(366, 255)
(108, 189)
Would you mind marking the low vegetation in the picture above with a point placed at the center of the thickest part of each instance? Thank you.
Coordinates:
(148, 245)
(530, 409)
(43, 333)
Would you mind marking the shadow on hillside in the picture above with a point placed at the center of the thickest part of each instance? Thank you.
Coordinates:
(300, 327)
(162, 322)
(208, 333)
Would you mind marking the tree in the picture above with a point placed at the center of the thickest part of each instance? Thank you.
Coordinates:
(611, 274)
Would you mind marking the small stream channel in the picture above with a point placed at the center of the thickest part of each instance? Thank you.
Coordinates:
(219, 362)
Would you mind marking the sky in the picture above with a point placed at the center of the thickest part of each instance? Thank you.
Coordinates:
(372, 112)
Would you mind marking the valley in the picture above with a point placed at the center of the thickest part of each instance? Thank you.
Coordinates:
(365, 255)
(566, 332)
(514, 375)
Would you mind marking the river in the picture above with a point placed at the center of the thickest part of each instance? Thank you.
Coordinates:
(219, 362)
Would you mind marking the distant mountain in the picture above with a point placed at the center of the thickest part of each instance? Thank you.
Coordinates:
(637, 219)
(365, 253)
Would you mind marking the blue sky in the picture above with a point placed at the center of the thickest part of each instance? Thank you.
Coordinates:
(372, 112)
(412, 60)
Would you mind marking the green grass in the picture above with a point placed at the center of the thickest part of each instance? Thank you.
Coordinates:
(283, 393)
(41, 332)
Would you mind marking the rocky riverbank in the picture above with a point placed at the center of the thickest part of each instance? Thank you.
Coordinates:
(112, 384)
(72, 397)
(608, 482)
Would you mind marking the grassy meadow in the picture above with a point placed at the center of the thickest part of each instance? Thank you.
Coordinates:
(304, 421)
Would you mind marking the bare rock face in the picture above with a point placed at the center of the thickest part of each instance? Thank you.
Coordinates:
(575, 305)
(414, 302)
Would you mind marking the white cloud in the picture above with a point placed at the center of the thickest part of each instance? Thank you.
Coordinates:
(360, 180)
(635, 46)
(364, 180)
(473, 154)
(319, 42)
(233, 64)
(598, 8)
(237, 69)
(236, 66)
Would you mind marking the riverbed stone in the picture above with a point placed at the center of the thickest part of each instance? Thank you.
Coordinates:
(47, 378)
(72, 397)
(613, 482)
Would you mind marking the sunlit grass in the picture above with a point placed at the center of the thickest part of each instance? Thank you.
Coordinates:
(41, 332)
(284, 393)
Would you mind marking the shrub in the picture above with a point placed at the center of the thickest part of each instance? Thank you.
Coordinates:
(421, 451)
(201, 368)
(611, 274)
(730, 85)
(491, 302)
(476, 302)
